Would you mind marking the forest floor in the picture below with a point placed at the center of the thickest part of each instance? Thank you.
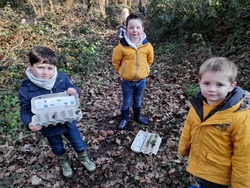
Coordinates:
(28, 161)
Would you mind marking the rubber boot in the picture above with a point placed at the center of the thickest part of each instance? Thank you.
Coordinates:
(65, 165)
(85, 161)
(125, 117)
(137, 116)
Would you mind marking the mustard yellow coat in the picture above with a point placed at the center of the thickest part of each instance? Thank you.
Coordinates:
(131, 62)
(218, 148)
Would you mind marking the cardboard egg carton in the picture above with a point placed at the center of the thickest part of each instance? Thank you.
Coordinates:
(51, 109)
(147, 143)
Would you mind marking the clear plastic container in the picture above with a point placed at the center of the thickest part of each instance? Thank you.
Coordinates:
(55, 108)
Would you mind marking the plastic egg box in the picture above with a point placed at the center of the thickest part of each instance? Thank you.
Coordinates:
(51, 109)
(147, 143)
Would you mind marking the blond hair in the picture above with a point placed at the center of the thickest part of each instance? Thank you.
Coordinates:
(124, 14)
(219, 64)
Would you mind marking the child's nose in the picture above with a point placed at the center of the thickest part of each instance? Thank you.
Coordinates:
(212, 88)
(45, 71)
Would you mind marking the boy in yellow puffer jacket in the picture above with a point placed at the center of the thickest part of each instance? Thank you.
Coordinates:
(132, 58)
(216, 134)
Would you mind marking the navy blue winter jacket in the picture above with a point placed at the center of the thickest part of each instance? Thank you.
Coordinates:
(29, 90)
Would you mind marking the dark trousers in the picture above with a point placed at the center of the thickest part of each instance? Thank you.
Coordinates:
(208, 184)
(72, 135)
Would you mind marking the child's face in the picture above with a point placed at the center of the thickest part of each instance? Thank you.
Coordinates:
(215, 86)
(43, 70)
(134, 29)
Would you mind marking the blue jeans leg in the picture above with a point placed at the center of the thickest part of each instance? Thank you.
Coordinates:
(138, 93)
(72, 135)
(132, 93)
(56, 144)
(75, 138)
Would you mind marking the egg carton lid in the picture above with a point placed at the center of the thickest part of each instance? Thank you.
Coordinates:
(54, 102)
(147, 143)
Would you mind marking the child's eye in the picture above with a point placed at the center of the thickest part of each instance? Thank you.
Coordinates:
(219, 85)
(206, 83)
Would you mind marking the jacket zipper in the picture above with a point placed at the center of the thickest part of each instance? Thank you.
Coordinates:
(136, 65)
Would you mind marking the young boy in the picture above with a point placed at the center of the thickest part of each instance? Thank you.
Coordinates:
(216, 134)
(132, 58)
(43, 78)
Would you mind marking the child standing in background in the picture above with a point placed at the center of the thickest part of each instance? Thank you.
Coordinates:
(216, 134)
(132, 59)
(43, 78)
(122, 27)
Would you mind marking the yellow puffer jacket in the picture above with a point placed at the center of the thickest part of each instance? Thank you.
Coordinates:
(218, 147)
(131, 62)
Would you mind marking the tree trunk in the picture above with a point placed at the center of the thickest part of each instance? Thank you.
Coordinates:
(51, 5)
(89, 5)
(69, 4)
(42, 9)
(102, 8)
(32, 4)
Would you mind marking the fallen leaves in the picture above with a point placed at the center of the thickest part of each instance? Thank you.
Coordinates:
(29, 161)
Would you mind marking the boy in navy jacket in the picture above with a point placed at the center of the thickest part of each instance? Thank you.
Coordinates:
(43, 78)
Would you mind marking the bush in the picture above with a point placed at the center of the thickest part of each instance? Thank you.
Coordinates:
(76, 55)
(192, 90)
(9, 116)
(19, 32)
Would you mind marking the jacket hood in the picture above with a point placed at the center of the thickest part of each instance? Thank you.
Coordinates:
(125, 41)
(231, 100)
(245, 105)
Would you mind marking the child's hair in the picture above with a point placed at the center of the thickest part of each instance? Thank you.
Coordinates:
(220, 64)
(124, 15)
(41, 54)
(134, 16)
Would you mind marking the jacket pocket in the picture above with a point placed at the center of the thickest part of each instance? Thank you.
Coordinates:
(147, 67)
(218, 167)
(218, 159)
(123, 68)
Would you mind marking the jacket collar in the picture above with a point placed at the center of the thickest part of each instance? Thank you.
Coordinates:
(231, 100)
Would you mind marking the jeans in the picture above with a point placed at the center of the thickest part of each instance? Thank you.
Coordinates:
(132, 93)
(72, 135)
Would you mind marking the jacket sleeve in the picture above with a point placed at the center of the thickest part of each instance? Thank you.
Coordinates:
(241, 150)
(25, 107)
(117, 58)
(185, 139)
(69, 84)
(150, 58)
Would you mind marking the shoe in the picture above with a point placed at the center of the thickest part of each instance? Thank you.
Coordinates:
(65, 165)
(142, 120)
(85, 161)
(123, 124)
(137, 116)
(125, 118)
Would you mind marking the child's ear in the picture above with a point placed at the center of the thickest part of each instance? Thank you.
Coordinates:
(233, 85)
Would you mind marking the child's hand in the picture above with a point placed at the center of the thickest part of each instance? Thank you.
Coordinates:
(71, 90)
(34, 128)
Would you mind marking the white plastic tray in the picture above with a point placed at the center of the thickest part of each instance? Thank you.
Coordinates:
(55, 108)
(147, 143)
